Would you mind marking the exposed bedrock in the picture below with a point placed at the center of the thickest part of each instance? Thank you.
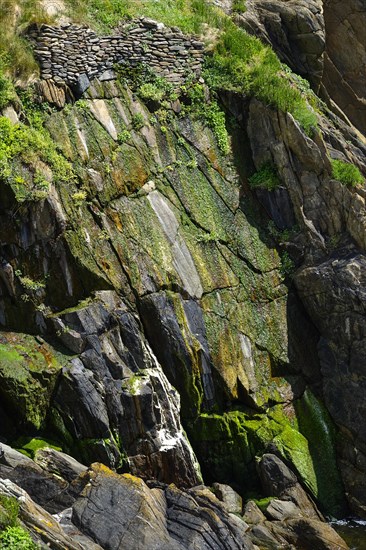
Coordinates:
(295, 29)
(157, 297)
(331, 281)
(66, 506)
(345, 58)
(322, 40)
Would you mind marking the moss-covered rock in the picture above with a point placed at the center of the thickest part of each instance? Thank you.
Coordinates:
(28, 371)
(316, 425)
(228, 445)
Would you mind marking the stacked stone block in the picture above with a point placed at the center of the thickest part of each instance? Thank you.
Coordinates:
(71, 53)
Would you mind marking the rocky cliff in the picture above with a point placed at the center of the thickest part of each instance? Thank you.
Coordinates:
(181, 295)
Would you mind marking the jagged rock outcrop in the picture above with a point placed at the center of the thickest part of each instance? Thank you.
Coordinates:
(322, 40)
(344, 61)
(197, 287)
(294, 29)
(328, 212)
(112, 511)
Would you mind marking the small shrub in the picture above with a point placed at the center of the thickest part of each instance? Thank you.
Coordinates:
(346, 173)
(239, 6)
(79, 197)
(30, 285)
(150, 91)
(16, 538)
(124, 136)
(138, 121)
(215, 119)
(265, 178)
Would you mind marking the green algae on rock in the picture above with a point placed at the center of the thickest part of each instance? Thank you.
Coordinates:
(28, 370)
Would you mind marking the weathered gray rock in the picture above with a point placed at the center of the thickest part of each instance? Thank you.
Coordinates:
(282, 509)
(122, 510)
(337, 304)
(229, 497)
(43, 526)
(344, 67)
(295, 29)
(252, 514)
(279, 481)
(116, 392)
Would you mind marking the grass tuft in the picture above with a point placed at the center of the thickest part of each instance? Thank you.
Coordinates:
(265, 178)
(346, 173)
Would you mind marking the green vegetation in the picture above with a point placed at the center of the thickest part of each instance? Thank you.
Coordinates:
(243, 64)
(12, 536)
(317, 426)
(346, 173)
(16, 51)
(209, 111)
(104, 15)
(124, 136)
(9, 510)
(215, 118)
(29, 446)
(29, 284)
(239, 6)
(265, 178)
(7, 92)
(29, 145)
(16, 538)
(155, 91)
(138, 121)
(263, 503)
(287, 266)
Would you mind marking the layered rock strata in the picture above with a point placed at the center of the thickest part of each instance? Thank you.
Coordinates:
(94, 508)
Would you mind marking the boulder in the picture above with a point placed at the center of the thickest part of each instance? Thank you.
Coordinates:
(279, 481)
(229, 497)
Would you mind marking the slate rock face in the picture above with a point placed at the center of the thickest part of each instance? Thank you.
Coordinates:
(115, 391)
(168, 295)
(337, 304)
(122, 511)
(344, 61)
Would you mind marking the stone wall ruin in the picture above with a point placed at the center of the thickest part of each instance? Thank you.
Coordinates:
(74, 55)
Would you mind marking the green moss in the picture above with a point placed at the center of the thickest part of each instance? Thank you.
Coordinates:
(30, 446)
(294, 447)
(263, 503)
(316, 425)
(28, 370)
(228, 446)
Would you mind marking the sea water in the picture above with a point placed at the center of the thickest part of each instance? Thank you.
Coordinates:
(353, 531)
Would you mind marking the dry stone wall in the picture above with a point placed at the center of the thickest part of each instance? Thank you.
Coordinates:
(73, 55)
